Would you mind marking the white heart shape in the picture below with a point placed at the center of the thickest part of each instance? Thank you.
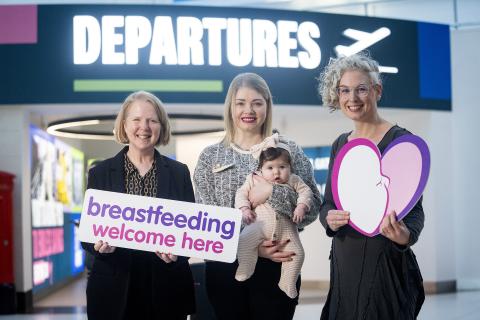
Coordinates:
(366, 196)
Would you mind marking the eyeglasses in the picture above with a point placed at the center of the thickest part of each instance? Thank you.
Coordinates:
(360, 91)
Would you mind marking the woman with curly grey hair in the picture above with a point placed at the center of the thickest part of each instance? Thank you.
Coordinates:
(370, 277)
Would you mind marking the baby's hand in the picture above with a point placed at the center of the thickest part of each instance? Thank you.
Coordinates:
(248, 215)
(299, 213)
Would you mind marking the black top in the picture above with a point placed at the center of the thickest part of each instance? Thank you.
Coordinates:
(140, 301)
(372, 277)
(137, 184)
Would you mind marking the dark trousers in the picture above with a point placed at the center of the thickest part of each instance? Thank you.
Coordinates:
(258, 298)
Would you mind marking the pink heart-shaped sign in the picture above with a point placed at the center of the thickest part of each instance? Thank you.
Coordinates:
(369, 185)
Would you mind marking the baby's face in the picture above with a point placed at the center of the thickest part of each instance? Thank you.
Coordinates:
(276, 171)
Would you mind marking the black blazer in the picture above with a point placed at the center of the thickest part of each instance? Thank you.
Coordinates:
(172, 283)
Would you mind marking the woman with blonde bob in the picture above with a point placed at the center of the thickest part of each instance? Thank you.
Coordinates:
(221, 170)
(133, 284)
(377, 277)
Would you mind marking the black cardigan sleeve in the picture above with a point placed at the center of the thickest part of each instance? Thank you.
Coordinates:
(92, 183)
(415, 219)
(328, 202)
(189, 195)
(97, 179)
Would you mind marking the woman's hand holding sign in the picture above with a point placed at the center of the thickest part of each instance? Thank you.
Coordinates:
(337, 218)
(103, 247)
(395, 230)
(166, 257)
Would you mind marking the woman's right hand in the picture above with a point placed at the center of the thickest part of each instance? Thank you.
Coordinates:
(337, 219)
(273, 250)
(103, 247)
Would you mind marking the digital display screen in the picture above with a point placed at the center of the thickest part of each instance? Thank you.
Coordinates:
(57, 185)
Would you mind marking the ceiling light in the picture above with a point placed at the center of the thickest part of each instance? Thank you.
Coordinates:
(74, 127)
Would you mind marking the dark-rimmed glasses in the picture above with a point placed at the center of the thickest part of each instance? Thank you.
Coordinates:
(361, 91)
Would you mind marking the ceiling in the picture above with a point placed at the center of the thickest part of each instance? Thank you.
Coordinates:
(457, 13)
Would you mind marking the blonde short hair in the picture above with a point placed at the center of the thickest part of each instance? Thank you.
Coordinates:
(252, 81)
(119, 131)
(333, 72)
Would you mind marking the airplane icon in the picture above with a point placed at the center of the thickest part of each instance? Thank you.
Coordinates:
(364, 40)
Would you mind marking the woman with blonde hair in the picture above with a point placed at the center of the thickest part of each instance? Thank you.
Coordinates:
(221, 170)
(133, 284)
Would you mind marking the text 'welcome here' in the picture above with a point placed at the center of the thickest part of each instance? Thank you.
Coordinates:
(158, 215)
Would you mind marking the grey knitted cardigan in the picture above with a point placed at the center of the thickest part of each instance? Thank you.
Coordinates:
(221, 170)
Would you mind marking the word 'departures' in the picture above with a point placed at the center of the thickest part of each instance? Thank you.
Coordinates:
(192, 41)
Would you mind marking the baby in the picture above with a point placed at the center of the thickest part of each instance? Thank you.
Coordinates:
(264, 223)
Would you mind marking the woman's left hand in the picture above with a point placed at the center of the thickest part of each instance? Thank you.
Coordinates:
(395, 230)
(166, 257)
(273, 250)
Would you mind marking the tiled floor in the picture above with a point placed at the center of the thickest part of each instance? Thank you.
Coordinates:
(69, 304)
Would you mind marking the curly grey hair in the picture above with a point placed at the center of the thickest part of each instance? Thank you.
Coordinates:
(333, 72)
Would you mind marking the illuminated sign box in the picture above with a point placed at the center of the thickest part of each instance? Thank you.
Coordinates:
(100, 53)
